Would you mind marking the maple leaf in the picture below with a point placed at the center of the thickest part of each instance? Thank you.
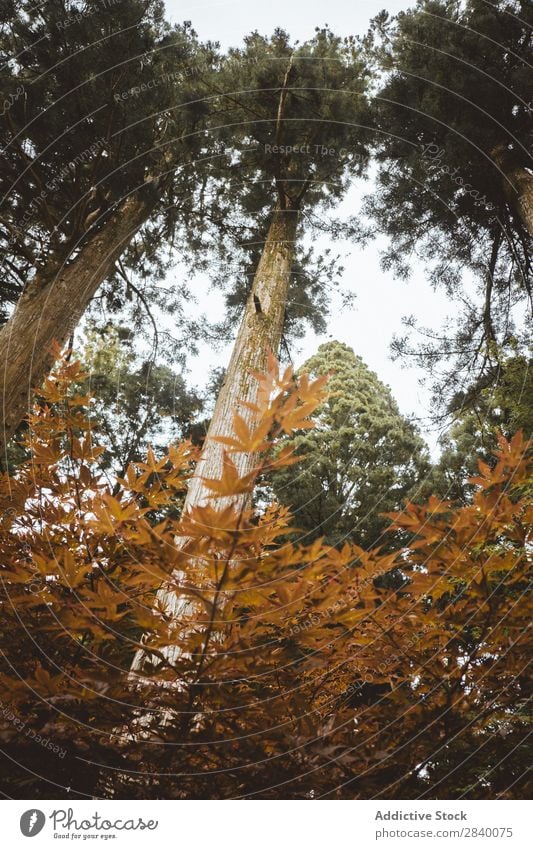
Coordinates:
(230, 482)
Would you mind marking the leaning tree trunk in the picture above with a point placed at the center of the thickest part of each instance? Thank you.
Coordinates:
(260, 332)
(49, 309)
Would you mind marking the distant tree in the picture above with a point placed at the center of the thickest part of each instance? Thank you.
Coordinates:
(293, 134)
(363, 458)
(454, 186)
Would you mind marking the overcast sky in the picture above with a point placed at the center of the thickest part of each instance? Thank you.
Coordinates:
(381, 300)
(228, 21)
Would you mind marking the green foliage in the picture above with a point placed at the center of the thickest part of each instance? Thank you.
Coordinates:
(293, 659)
(458, 79)
(362, 459)
(137, 402)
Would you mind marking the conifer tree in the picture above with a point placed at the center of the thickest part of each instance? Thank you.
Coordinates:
(138, 400)
(499, 404)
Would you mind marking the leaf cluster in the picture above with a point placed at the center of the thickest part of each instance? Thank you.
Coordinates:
(292, 673)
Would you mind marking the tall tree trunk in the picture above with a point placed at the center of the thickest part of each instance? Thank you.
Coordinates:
(518, 185)
(260, 332)
(523, 182)
(50, 308)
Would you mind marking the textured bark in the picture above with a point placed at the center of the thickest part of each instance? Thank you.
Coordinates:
(260, 332)
(49, 310)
